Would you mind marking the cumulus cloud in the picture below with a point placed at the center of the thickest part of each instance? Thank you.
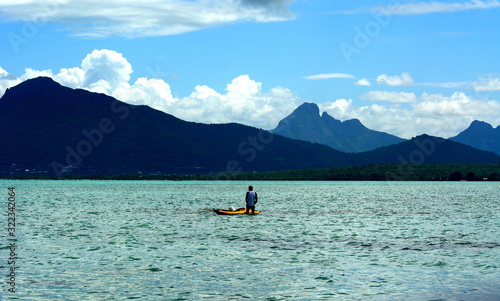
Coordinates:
(245, 100)
(106, 65)
(91, 18)
(71, 77)
(363, 82)
(433, 114)
(151, 92)
(106, 71)
(3, 73)
(487, 84)
(390, 96)
(329, 75)
(396, 80)
(7, 81)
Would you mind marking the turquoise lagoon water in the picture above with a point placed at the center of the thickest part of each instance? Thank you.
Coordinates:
(159, 240)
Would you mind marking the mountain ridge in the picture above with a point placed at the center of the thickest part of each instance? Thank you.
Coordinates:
(74, 130)
(305, 123)
(480, 135)
(50, 129)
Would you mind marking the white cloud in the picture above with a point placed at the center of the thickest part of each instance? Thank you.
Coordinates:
(151, 92)
(329, 75)
(106, 65)
(108, 72)
(396, 80)
(419, 8)
(7, 81)
(93, 18)
(390, 96)
(392, 119)
(450, 85)
(3, 73)
(70, 77)
(243, 87)
(102, 71)
(436, 7)
(487, 84)
(433, 114)
(363, 82)
(245, 101)
(31, 73)
(341, 108)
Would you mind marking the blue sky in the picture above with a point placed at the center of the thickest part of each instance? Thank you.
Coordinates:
(404, 67)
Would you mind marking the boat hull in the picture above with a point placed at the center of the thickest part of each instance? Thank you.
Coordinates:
(235, 212)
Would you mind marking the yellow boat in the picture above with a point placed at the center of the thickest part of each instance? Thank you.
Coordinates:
(232, 212)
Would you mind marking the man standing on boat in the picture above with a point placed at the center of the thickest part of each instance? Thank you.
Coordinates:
(251, 199)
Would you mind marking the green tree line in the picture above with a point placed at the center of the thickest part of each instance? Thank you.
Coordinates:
(370, 172)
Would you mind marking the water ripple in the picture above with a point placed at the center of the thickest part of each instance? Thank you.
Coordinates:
(114, 240)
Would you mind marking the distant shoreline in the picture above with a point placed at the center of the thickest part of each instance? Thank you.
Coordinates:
(370, 172)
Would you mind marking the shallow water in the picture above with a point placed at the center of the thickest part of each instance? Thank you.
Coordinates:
(159, 240)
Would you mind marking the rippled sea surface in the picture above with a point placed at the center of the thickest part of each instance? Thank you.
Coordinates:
(159, 240)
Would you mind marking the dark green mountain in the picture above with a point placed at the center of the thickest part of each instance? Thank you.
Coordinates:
(427, 149)
(50, 129)
(305, 123)
(480, 135)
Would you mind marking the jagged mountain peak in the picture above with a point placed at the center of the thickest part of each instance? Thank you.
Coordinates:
(41, 82)
(480, 125)
(480, 135)
(57, 130)
(307, 108)
(39, 85)
(329, 119)
(305, 123)
(49, 129)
